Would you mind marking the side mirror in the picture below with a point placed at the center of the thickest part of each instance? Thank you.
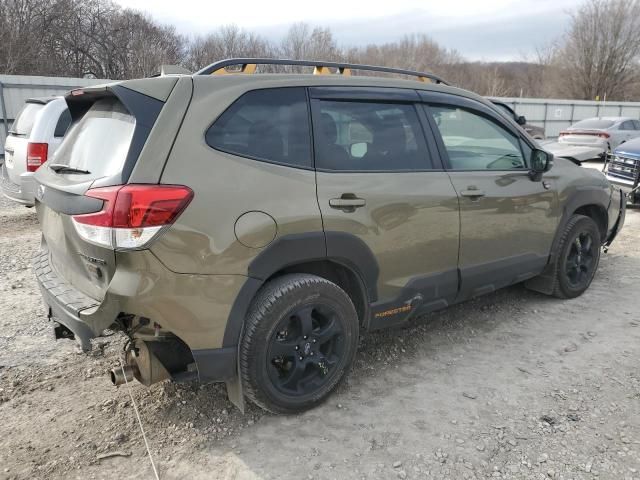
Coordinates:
(539, 163)
(521, 120)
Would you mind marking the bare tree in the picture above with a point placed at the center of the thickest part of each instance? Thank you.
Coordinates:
(602, 49)
(229, 41)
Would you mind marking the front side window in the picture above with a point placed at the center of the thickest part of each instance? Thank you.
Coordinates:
(270, 124)
(474, 142)
(368, 136)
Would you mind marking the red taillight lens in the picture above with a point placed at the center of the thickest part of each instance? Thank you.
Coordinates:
(36, 155)
(562, 134)
(132, 214)
(604, 135)
(140, 206)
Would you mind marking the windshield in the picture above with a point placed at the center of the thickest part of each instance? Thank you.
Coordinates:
(100, 141)
(26, 118)
(593, 123)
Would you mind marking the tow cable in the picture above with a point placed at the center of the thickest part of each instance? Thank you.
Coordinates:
(144, 436)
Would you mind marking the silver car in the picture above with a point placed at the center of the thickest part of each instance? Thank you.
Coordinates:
(33, 139)
(603, 133)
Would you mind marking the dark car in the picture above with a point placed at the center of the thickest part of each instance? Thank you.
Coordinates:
(533, 130)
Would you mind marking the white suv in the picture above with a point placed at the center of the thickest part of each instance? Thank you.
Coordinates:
(34, 137)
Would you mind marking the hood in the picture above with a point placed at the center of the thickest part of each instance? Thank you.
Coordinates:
(631, 147)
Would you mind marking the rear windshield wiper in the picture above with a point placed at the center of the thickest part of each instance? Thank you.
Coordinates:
(60, 168)
(17, 134)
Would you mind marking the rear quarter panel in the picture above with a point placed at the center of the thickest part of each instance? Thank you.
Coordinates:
(203, 240)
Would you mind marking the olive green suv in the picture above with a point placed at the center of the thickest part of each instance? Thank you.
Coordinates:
(248, 228)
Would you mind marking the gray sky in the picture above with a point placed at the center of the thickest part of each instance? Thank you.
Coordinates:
(479, 29)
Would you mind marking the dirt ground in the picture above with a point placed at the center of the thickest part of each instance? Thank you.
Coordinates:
(511, 385)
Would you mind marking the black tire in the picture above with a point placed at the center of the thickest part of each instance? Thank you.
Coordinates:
(577, 257)
(282, 369)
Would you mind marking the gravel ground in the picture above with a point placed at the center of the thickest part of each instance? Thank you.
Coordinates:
(512, 385)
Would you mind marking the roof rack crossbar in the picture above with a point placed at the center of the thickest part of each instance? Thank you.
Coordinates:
(248, 65)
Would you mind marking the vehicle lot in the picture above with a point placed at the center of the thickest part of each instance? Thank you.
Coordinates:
(511, 385)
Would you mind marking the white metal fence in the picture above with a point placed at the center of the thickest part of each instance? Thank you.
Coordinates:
(16, 89)
(556, 115)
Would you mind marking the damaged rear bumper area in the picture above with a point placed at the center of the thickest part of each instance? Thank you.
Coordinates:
(169, 322)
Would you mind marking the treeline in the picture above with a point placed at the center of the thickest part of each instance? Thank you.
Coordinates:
(599, 54)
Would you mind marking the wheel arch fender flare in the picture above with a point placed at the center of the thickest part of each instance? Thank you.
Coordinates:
(291, 250)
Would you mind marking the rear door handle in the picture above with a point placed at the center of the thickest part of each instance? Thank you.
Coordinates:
(472, 193)
(347, 203)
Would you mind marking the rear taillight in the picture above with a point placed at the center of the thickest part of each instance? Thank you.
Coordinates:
(579, 132)
(36, 155)
(131, 215)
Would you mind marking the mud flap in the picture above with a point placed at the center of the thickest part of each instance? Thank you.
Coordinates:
(234, 392)
(545, 282)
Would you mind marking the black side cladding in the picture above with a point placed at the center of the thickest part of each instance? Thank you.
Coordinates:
(143, 108)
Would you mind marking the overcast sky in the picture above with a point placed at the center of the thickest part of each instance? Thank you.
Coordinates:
(479, 29)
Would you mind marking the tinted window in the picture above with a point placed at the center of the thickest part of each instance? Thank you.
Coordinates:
(100, 141)
(628, 125)
(26, 118)
(368, 136)
(593, 123)
(636, 124)
(475, 142)
(270, 124)
(63, 124)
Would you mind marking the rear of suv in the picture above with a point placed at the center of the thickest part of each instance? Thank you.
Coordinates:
(34, 138)
(248, 228)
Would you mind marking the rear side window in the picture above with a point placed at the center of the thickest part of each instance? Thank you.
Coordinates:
(100, 141)
(26, 118)
(269, 124)
(628, 125)
(63, 124)
(368, 136)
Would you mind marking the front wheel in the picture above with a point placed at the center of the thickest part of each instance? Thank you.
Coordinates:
(300, 339)
(577, 257)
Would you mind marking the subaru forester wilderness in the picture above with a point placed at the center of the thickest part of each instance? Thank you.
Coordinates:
(248, 228)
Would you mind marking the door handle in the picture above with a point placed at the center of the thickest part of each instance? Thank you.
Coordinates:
(347, 202)
(472, 193)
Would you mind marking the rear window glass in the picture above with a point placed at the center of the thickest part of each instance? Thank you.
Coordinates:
(100, 141)
(270, 124)
(593, 123)
(26, 118)
(63, 124)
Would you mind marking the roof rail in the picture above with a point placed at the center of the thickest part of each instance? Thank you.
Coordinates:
(248, 65)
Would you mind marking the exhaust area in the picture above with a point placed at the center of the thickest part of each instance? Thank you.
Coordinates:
(122, 375)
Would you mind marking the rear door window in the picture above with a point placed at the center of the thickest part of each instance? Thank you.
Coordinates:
(368, 136)
(269, 124)
(26, 118)
(100, 141)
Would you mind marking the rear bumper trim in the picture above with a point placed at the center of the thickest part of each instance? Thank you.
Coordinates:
(64, 302)
(216, 364)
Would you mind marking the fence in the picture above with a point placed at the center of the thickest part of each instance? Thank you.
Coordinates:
(15, 89)
(556, 115)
